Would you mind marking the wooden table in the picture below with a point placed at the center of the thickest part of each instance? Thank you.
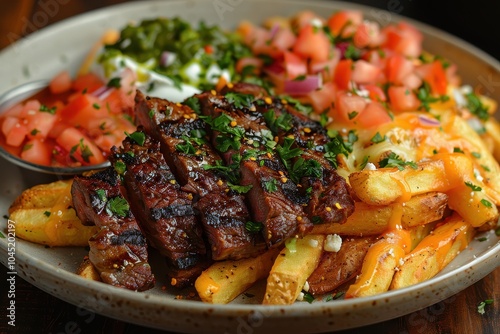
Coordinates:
(39, 312)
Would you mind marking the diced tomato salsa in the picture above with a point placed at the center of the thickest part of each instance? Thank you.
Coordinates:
(366, 71)
(71, 122)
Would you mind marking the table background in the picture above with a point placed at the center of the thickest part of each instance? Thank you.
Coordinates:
(38, 312)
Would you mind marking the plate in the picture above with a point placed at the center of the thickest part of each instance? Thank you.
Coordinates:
(65, 44)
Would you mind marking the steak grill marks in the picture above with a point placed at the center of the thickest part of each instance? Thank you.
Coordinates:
(221, 209)
(118, 250)
(164, 211)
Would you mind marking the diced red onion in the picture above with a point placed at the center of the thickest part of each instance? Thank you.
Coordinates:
(274, 30)
(167, 58)
(102, 92)
(301, 87)
(427, 121)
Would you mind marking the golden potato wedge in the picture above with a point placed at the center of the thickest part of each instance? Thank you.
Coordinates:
(88, 271)
(374, 220)
(43, 214)
(225, 280)
(434, 252)
(292, 267)
(388, 185)
(493, 131)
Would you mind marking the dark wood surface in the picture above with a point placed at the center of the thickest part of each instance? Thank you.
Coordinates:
(39, 312)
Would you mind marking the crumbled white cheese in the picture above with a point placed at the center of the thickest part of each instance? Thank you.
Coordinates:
(370, 166)
(313, 243)
(306, 286)
(315, 22)
(300, 297)
(333, 243)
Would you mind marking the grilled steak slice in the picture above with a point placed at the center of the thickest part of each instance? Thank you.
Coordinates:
(330, 196)
(239, 132)
(163, 210)
(119, 249)
(335, 269)
(222, 211)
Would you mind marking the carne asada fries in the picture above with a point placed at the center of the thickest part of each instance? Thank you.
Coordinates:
(356, 166)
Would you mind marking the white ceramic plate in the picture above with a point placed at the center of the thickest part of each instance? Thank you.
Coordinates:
(65, 44)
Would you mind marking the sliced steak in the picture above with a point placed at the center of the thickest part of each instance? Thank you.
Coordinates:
(187, 151)
(237, 131)
(119, 249)
(164, 212)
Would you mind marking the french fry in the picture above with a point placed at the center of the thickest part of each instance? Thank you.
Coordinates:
(374, 220)
(388, 185)
(291, 269)
(225, 280)
(434, 252)
(109, 37)
(88, 271)
(43, 215)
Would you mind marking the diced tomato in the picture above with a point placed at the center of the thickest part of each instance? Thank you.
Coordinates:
(343, 74)
(209, 49)
(60, 83)
(404, 39)
(376, 93)
(305, 18)
(402, 99)
(294, 65)
(82, 109)
(283, 40)
(349, 106)
(37, 151)
(345, 22)
(8, 123)
(397, 68)
(87, 82)
(367, 34)
(39, 124)
(412, 81)
(323, 98)
(327, 68)
(437, 78)
(127, 91)
(373, 115)
(30, 107)
(312, 43)
(364, 72)
(80, 147)
(16, 135)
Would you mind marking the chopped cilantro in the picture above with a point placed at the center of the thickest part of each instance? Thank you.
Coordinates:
(482, 239)
(114, 82)
(96, 106)
(46, 213)
(497, 232)
(482, 305)
(307, 109)
(34, 132)
(308, 297)
(473, 186)
(458, 150)
(44, 108)
(27, 147)
(253, 226)
(138, 137)
(120, 167)
(2, 236)
(118, 206)
(476, 155)
(425, 96)
(486, 203)
(352, 114)
(287, 153)
(282, 122)
(476, 107)
(291, 244)
(239, 188)
(378, 138)
(271, 185)
(101, 193)
(85, 151)
(316, 220)
(363, 163)
(352, 52)
(393, 160)
(151, 113)
(240, 100)
(305, 168)
(338, 146)
(193, 103)
(187, 147)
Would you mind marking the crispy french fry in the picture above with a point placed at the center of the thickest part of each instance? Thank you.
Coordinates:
(373, 220)
(493, 131)
(291, 269)
(109, 37)
(43, 215)
(388, 185)
(225, 280)
(88, 271)
(434, 252)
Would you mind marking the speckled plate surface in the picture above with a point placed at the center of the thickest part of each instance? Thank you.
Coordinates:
(64, 45)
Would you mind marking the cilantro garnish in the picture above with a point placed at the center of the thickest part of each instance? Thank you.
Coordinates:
(46, 213)
(253, 226)
(118, 206)
(297, 105)
(352, 52)
(308, 297)
(229, 136)
(282, 122)
(378, 138)
(425, 97)
(287, 153)
(138, 137)
(476, 107)
(85, 151)
(486, 203)
(473, 186)
(271, 185)
(187, 147)
(393, 160)
(193, 103)
(114, 82)
(2, 236)
(44, 108)
(482, 305)
(101, 193)
(120, 167)
(34, 132)
(240, 100)
(337, 146)
(305, 168)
